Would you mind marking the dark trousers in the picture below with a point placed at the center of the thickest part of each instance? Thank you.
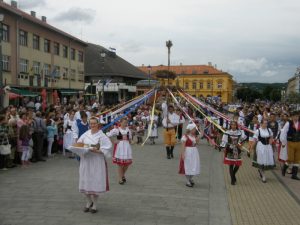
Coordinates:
(3, 161)
(179, 132)
(38, 140)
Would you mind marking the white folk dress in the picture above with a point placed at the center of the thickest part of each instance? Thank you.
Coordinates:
(93, 174)
(153, 132)
(68, 136)
(191, 162)
(264, 151)
(122, 154)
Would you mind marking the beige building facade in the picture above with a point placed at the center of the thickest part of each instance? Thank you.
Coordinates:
(38, 56)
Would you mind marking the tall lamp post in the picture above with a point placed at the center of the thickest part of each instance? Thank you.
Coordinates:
(169, 44)
(102, 54)
(1, 62)
(149, 72)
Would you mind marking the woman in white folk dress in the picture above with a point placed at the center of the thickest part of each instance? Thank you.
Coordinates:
(122, 154)
(190, 160)
(68, 135)
(264, 157)
(153, 132)
(93, 147)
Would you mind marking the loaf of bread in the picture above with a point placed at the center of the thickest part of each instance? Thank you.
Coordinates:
(80, 145)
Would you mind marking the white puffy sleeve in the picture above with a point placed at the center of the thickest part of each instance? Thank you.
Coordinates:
(256, 134)
(183, 139)
(75, 131)
(224, 140)
(113, 132)
(105, 145)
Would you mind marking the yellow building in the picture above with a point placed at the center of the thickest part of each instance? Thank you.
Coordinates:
(196, 80)
(39, 56)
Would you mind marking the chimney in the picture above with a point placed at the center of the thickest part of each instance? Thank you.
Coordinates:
(33, 13)
(216, 66)
(209, 63)
(14, 4)
(44, 19)
(143, 65)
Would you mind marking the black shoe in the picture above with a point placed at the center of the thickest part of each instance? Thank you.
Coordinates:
(85, 209)
(232, 182)
(295, 178)
(42, 160)
(121, 182)
(93, 211)
(33, 160)
(192, 182)
(294, 173)
(189, 185)
(260, 174)
(124, 179)
(172, 156)
(168, 157)
(283, 170)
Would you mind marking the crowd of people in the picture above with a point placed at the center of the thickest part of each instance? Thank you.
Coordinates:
(88, 132)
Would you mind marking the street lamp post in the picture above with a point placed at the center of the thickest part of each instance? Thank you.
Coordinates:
(149, 71)
(1, 62)
(102, 54)
(169, 44)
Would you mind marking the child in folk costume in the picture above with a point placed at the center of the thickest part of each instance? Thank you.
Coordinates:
(122, 155)
(282, 148)
(190, 160)
(25, 137)
(153, 132)
(254, 125)
(232, 141)
(68, 136)
(140, 132)
(264, 157)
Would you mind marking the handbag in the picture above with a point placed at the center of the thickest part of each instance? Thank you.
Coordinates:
(5, 149)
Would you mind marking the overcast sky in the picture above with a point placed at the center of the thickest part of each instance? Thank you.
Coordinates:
(254, 40)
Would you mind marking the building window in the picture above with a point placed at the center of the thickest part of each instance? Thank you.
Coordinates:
(72, 53)
(36, 42)
(23, 65)
(56, 48)
(56, 72)
(80, 56)
(73, 74)
(186, 85)
(5, 32)
(208, 85)
(80, 76)
(219, 85)
(36, 67)
(65, 51)
(47, 45)
(194, 72)
(65, 73)
(194, 85)
(5, 63)
(47, 69)
(201, 85)
(23, 37)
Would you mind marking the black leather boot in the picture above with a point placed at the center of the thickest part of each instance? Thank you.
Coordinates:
(168, 152)
(284, 168)
(294, 173)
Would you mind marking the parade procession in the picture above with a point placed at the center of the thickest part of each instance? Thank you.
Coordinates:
(88, 138)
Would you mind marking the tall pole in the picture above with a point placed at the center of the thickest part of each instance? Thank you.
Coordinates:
(169, 44)
(1, 63)
(103, 58)
(149, 71)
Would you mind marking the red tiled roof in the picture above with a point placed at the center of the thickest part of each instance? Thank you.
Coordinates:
(35, 20)
(185, 69)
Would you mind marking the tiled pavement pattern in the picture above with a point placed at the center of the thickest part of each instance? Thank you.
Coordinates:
(47, 193)
(252, 202)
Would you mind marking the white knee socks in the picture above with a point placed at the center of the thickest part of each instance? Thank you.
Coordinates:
(94, 200)
(88, 201)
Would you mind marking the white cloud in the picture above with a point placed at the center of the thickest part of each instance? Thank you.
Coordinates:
(269, 73)
(248, 65)
(76, 14)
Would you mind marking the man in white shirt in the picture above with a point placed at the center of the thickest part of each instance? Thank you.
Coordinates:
(170, 121)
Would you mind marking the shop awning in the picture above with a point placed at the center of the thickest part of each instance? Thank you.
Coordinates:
(68, 92)
(23, 92)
